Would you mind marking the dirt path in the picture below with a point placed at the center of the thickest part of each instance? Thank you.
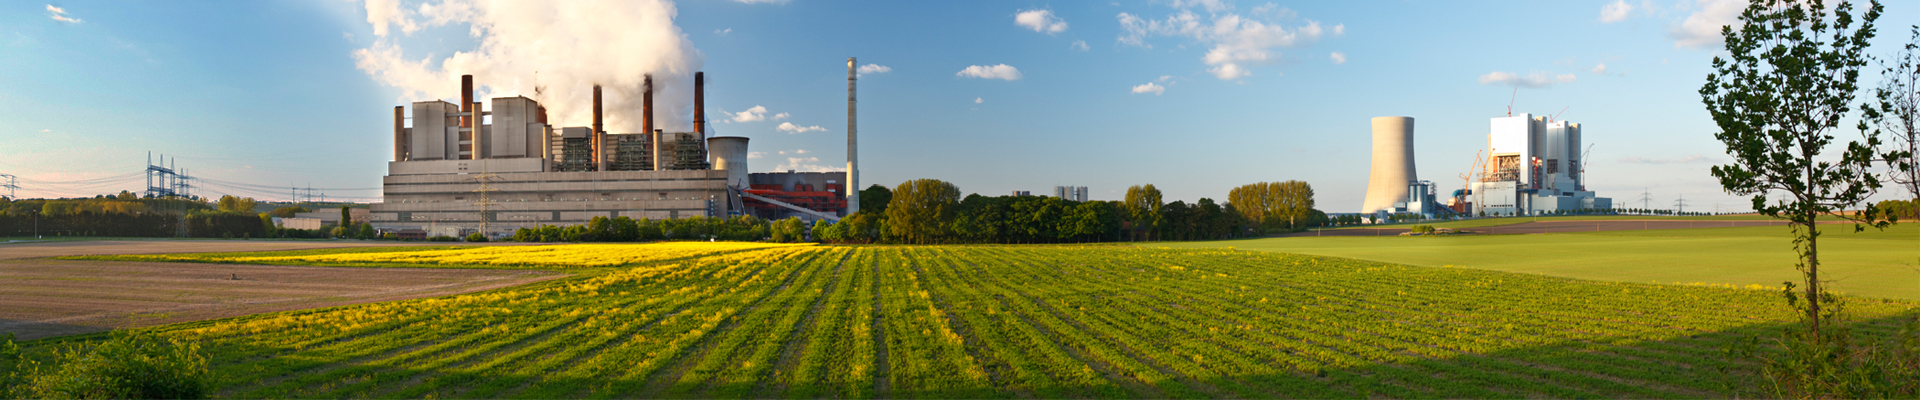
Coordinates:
(45, 298)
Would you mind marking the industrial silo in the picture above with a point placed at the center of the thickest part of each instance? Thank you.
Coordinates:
(1392, 163)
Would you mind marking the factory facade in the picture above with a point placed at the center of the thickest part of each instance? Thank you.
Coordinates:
(1534, 167)
(460, 169)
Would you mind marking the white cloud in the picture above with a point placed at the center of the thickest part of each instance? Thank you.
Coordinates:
(781, 116)
(1600, 69)
(1040, 21)
(803, 164)
(1080, 45)
(382, 13)
(515, 43)
(874, 69)
(762, 1)
(1338, 57)
(1237, 43)
(756, 154)
(60, 14)
(1001, 71)
(790, 128)
(978, 100)
(757, 113)
(1702, 28)
(1684, 160)
(1616, 11)
(1150, 87)
(1164, 78)
(723, 32)
(1536, 80)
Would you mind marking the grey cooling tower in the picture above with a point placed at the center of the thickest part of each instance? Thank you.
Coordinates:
(729, 153)
(1392, 163)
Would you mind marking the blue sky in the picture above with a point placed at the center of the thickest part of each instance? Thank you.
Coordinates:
(280, 93)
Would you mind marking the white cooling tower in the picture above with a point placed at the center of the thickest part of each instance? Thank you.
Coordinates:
(1392, 163)
(729, 153)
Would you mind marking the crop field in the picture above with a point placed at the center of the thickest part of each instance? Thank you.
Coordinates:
(513, 257)
(1012, 321)
(1874, 263)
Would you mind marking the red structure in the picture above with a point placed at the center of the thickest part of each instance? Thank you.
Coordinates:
(826, 198)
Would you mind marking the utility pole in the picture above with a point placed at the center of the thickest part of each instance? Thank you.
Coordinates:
(485, 203)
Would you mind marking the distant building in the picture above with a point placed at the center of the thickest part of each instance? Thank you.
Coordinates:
(1075, 193)
(1022, 193)
(1534, 168)
(300, 223)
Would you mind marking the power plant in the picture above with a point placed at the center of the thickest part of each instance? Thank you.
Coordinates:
(460, 169)
(1533, 166)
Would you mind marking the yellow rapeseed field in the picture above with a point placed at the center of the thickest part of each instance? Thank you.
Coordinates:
(562, 256)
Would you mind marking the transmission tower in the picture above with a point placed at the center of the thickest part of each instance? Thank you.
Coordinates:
(486, 203)
(1646, 200)
(11, 185)
(1680, 204)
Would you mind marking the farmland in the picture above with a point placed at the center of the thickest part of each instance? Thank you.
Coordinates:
(1004, 321)
(1873, 263)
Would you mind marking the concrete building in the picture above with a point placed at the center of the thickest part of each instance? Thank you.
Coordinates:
(460, 169)
(1074, 193)
(1392, 168)
(1534, 167)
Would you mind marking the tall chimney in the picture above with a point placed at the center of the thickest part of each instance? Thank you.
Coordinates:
(700, 105)
(400, 133)
(646, 117)
(479, 140)
(599, 134)
(466, 122)
(853, 145)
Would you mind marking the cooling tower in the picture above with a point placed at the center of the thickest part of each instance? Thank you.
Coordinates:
(1392, 163)
(729, 153)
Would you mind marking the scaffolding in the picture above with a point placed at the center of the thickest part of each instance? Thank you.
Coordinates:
(632, 153)
(576, 155)
(689, 154)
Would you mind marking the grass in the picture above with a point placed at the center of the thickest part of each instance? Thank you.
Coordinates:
(1499, 221)
(1871, 264)
(1008, 322)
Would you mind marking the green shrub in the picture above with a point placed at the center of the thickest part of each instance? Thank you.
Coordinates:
(128, 365)
(476, 237)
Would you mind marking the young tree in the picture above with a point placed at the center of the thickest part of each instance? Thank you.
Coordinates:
(874, 199)
(1777, 97)
(1896, 110)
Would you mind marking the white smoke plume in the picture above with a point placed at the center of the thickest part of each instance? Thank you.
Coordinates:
(571, 45)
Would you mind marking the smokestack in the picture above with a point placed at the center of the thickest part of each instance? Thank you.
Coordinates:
(466, 106)
(646, 118)
(399, 133)
(479, 140)
(599, 133)
(853, 144)
(700, 105)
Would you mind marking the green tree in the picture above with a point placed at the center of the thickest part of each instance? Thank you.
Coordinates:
(346, 217)
(874, 199)
(367, 232)
(1777, 97)
(1896, 110)
(287, 212)
(921, 210)
(1142, 204)
(236, 204)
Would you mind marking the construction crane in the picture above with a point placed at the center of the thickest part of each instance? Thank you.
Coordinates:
(1516, 96)
(1583, 166)
(1467, 178)
(1556, 116)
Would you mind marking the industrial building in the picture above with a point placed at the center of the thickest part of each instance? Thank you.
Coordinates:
(460, 169)
(1533, 166)
(1074, 193)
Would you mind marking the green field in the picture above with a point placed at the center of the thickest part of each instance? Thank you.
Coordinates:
(1499, 221)
(1872, 263)
(1007, 322)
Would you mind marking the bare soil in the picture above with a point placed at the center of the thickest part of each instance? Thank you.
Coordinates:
(42, 298)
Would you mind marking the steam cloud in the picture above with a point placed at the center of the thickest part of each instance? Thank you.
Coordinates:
(572, 45)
